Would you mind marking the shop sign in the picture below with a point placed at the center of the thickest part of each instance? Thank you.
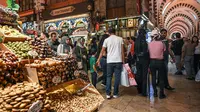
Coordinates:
(36, 107)
(61, 11)
(66, 11)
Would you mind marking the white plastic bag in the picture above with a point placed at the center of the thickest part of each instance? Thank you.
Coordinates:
(172, 68)
(124, 78)
(197, 78)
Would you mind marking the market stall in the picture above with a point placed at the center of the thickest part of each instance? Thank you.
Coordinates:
(32, 79)
(127, 26)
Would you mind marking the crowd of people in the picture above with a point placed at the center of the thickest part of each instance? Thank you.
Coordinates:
(111, 52)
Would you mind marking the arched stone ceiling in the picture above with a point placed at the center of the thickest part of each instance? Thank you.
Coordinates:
(180, 22)
(185, 28)
(177, 27)
(175, 12)
(179, 13)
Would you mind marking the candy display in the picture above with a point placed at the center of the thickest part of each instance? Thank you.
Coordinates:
(51, 71)
(20, 49)
(10, 69)
(41, 47)
(20, 97)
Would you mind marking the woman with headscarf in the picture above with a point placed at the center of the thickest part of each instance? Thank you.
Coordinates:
(64, 47)
(142, 61)
(81, 53)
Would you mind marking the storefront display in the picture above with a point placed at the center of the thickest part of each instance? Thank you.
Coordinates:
(125, 27)
(43, 82)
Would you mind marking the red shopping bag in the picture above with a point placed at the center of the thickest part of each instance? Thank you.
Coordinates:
(131, 76)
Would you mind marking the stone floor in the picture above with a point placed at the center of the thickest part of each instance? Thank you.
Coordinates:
(186, 98)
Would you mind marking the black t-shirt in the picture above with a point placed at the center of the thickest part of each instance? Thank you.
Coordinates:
(177, 46)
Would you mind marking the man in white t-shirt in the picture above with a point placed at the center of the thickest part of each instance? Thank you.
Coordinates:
(115, 59)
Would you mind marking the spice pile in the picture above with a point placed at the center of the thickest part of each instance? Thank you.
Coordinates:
(20, 97)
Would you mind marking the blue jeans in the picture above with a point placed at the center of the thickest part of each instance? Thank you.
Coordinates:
(115, 68)
(104, 69)
(94, 78)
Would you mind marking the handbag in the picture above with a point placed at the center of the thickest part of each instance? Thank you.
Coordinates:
(80, 65)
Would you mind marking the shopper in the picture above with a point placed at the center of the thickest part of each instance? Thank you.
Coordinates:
(103, 61)
(142, 62)
(197, 56)
(81, 53)
(115, 58)
(53, 42)
(168, 51)
(44, 36)
(93, 70)
(157, 65)
(177, 50)
(131, 52)
(188, 57)
(65, 47)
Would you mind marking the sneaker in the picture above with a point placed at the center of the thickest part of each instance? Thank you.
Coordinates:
(108, 96)
(103, 85)
(115, 96)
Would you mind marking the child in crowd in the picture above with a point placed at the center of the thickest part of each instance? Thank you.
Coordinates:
(93, 70)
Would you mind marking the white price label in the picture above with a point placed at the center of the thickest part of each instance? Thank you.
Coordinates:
(36, 107)
(56, 79)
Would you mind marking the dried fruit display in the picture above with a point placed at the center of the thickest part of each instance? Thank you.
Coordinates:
(20, 49)
(7, 31)
(51, 72)
(20, 97)
(10, 69)
(41, 47)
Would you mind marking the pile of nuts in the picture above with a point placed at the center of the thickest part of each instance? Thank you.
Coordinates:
(20, 97)
(42, 48)
(10, 69)
(74, 103)
(51, 71)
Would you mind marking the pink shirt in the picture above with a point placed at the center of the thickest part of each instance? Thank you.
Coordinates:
(156, 49)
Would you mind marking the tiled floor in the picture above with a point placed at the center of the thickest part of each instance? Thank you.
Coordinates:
(186, 98)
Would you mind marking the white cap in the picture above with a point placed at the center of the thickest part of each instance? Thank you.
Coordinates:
(154, 33)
